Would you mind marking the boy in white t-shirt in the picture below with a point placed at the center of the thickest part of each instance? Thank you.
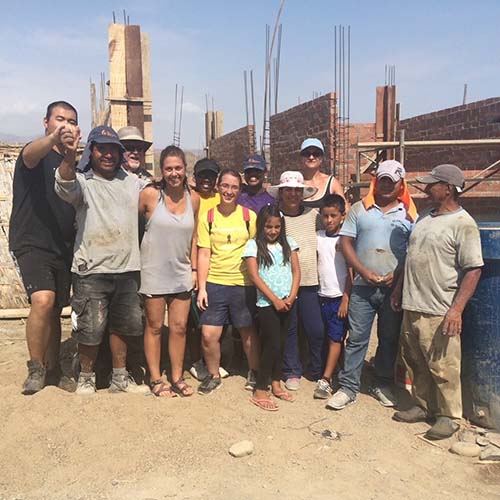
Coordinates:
(335, 283)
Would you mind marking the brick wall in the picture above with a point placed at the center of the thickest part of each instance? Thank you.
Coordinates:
(231, 149)
(477, 120)
(289, 128)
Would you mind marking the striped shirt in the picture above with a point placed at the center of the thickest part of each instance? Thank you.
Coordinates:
(302, 228)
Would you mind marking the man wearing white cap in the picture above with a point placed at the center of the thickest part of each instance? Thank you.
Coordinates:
(442, 270)
(374, 241)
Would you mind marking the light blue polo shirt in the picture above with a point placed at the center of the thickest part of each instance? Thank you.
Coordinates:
(381, 239)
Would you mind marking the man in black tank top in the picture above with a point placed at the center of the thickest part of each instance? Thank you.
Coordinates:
(41, 234)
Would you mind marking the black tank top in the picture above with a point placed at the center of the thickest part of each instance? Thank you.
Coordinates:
(318, 203)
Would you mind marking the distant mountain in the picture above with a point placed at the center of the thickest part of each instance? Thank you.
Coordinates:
(15, 139)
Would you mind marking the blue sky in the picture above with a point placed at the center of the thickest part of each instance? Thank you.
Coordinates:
(49, 50)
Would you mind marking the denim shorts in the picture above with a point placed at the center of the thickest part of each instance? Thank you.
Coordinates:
(229, 305)
(336, 327)
(105, 301)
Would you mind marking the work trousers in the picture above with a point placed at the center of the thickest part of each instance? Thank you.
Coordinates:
(433, 362)
(273, 330)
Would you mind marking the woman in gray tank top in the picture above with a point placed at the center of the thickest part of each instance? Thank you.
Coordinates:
(168, 267)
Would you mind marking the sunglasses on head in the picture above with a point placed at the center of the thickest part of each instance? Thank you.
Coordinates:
(311, 152)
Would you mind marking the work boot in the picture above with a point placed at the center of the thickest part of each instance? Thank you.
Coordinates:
(411, 416)
(35, 381)
(444, 428)
(123, 382)
(56, 378)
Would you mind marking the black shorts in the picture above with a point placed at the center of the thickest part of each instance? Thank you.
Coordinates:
(105, 301)
(45, 270)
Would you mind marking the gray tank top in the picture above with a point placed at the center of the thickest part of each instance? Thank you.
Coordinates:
(166, 250)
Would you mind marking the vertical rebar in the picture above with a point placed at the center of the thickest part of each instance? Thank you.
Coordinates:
(465, 94)
(175, 114)
(253, 99)
(114, 18)
(346, 167)
(336, 97)
(246, 94)
(124, 17)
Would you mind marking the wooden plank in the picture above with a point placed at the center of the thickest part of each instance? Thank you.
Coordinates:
(22, 313)
(117, 74)
(133, 71)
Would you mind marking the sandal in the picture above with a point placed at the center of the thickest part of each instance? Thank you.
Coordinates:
(284, 396)
(264, 404)
(161, 390)
(181, 388)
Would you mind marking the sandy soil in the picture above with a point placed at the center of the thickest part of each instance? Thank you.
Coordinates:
(54, 445)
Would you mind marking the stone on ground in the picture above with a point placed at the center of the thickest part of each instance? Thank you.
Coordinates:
(241, 449)
(465, 449)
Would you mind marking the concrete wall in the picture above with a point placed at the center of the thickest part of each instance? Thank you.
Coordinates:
(289, 128)
(230, 150)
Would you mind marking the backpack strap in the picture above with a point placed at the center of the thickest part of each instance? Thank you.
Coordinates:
(210, 220)
(246, 218)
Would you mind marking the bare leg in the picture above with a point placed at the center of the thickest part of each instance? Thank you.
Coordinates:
(178, 310)
(118, 348)
(155, 314)
(54, 346)
(87, 355)
(334, 351)
(251, 346)
(210, 337)
(39, 324)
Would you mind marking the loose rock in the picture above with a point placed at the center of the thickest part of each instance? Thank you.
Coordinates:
(490, 453)
(465, 449)
(241, 449)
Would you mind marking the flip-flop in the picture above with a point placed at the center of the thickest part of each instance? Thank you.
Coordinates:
(264, 404)
(284, 396)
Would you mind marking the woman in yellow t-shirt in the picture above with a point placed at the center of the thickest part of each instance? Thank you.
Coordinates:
(225, 291)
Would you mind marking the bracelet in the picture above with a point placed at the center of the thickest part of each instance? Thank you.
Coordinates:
(194, 270)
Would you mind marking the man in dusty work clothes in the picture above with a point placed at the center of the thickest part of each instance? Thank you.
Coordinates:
(41, 235)
(374, 241)
(106, 260)
(442, 270)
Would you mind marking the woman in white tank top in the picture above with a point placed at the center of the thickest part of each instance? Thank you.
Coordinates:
(168, 268)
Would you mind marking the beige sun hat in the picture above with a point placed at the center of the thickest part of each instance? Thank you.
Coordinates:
(132, 133)
(293, 179)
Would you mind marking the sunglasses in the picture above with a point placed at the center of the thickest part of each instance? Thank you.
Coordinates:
(311, 152)
(134, 147)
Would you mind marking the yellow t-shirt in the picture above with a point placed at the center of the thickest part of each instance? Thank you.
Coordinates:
(207, 203)
(227, 241)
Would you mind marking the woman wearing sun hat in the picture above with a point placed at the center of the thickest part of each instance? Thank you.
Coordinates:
(312, 151)
(301, 223)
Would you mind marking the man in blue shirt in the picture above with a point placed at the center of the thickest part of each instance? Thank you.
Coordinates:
(254, 194)
(374, 241)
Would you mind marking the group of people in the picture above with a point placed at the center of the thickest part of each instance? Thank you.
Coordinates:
(271, 260)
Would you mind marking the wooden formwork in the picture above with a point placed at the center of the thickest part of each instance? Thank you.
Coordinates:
(12, 293)
(130, 82)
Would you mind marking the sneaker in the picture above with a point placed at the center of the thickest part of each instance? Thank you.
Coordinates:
(292, 383)
(411, 416)
(444, 428)
(250, 382)
(223, 372)
(339, 400)
(323, 389)
(86, 384)
(125, 383)
(384, 396)
(199, 370)
(35, 381)
(210, 384)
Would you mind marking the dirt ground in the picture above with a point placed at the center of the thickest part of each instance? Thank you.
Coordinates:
(55, 445)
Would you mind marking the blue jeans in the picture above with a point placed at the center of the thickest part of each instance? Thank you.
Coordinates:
(366, 301)
(307, 311)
